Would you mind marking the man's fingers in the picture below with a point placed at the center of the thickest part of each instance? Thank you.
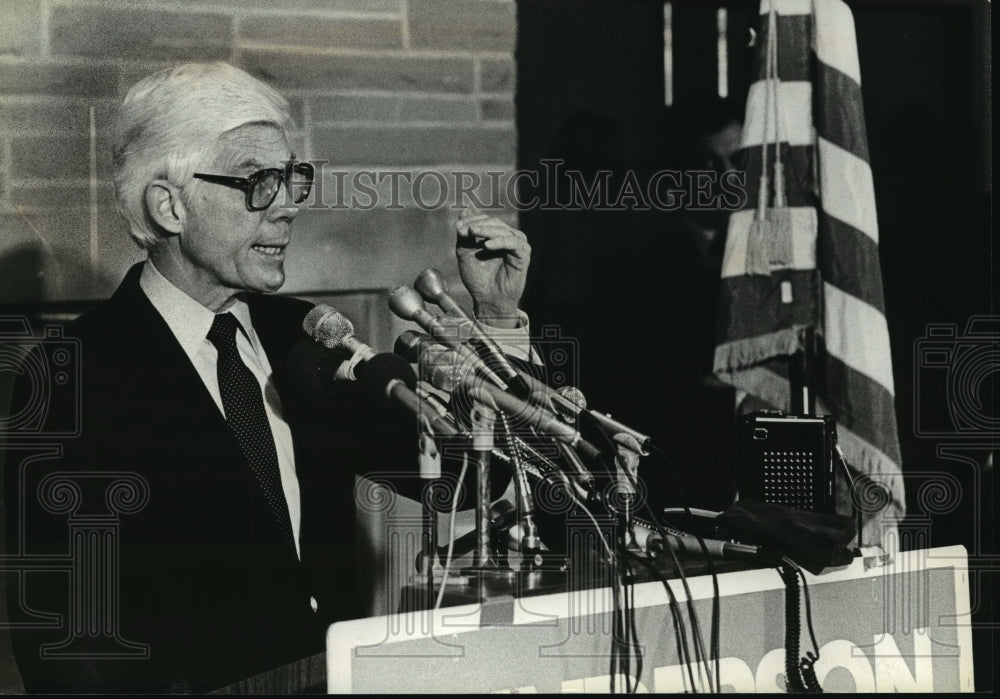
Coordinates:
(492, 228)
(517, 246)
(462, 225)
(470, 210)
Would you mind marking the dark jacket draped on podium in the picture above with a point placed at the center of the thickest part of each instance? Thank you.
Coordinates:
(183, 581)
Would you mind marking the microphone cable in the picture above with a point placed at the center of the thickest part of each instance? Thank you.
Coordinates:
(701, 657)
(616, 648)
(451, 529)
(800, 673)
(680, 630)
(625, 625)
(715, 631)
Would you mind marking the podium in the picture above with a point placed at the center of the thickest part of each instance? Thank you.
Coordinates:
(901, 627)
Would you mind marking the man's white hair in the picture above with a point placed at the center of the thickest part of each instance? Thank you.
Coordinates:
(171, 119)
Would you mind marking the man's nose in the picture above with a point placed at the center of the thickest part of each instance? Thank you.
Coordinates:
(284, 205)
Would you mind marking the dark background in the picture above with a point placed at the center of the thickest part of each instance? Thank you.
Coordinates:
(626, 285)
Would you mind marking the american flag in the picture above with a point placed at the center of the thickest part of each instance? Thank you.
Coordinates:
(805, 255)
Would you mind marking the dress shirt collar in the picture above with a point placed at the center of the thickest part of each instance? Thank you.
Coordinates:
(187, 319)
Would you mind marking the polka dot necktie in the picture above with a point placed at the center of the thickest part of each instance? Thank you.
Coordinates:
(244, 405)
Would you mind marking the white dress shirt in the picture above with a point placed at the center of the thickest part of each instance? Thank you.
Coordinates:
(190, 322)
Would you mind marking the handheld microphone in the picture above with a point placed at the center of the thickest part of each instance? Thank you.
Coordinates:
(406, 303)
(333, 330)
(434, 289)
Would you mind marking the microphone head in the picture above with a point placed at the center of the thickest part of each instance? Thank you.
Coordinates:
(313, 316)
(327, 326)
(440, 370)
(409, 344)
(405, 302)
(574, 395)
(380, 370)
(431, 285)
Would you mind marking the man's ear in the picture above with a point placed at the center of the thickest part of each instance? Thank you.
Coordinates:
(164, 204)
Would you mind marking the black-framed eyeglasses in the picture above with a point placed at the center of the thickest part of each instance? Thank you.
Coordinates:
(263, 186)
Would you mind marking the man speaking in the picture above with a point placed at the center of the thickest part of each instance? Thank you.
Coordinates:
(242, 551)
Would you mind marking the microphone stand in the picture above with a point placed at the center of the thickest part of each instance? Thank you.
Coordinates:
(430, 571)
(627, 463)
(430, 469)
(530, 545)
(483, 423)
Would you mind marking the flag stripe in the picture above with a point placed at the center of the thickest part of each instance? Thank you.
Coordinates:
(873, 462)
(857, 334)
(847, 191)
(804, 227)
(787, 7)
(764, 383)
(864, 407)
(839, 111)
(836, 45)
(795, 119)
(800, 178)
(751, 306)
(849, 260)
(793, 48)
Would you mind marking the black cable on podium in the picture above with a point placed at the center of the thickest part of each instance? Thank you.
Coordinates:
(715, 631)
(701, 657)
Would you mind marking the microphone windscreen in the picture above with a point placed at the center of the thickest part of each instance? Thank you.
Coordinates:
(327, 326)
(313, 317)
(431, 285)
(405, 302)
(408, 345)
(574, 395)
(380, 370)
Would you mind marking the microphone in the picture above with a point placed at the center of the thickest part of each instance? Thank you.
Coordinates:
(406, 303)
(434, 289)
(439, 373)
(409, 343)
(388, 378)
(680, 542)
(574, 395)
(333, 330)
(716, 547)
(570, 401)
(312, 369)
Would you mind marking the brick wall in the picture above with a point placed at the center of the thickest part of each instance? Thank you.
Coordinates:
(373, 84)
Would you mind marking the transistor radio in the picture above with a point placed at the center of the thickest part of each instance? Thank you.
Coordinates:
(787, 460)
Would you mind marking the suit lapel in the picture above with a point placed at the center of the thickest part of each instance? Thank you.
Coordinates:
(170, 370)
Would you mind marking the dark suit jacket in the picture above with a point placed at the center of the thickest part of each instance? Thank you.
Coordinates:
(204, 578)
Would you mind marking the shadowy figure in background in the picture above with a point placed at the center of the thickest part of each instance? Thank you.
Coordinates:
(696, 411)
(637, 289)
(582, 276)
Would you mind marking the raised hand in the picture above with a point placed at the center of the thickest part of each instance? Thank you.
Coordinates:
(493, 263)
